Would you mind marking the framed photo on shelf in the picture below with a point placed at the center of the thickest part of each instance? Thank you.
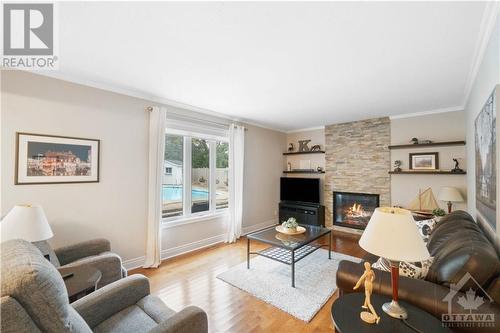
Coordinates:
(424, 161)
(52, 159)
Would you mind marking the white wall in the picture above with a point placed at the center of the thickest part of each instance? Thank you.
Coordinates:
(115, 208)
(317, 137)
(449, 126)
(488, 76)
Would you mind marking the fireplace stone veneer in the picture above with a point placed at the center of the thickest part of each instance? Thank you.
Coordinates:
(354, 210)
(357, 159)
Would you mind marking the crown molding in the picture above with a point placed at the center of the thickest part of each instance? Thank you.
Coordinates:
(148, 97)
(426, 113)
(488, 21)
(306, 129)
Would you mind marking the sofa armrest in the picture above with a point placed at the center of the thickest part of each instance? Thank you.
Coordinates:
(110, 265)
(70, 253)
(421, 293)
(105, 302)
(189, 320)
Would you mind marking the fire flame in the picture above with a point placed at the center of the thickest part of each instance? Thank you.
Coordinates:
(356, 210)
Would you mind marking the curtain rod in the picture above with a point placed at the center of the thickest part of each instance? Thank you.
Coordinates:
(150, 108)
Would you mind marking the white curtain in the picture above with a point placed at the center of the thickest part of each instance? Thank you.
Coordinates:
(157, 123)
(236, 161)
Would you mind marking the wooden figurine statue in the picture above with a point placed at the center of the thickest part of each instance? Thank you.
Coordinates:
(368, 277)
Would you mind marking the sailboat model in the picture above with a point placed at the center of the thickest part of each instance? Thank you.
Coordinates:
(424, 204)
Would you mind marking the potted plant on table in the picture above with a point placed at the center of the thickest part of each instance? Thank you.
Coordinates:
(290, 225)
(438, 213)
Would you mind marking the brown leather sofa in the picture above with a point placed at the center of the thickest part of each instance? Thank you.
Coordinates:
(458, 246)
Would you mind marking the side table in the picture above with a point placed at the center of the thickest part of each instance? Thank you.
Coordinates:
(80, 281)
(346, 310)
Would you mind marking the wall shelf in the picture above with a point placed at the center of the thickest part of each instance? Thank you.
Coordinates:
(304, 152)
(421, 172)
(304, 171)
(433, 144)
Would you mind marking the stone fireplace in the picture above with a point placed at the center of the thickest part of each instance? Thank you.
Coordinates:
(357, 160)
(354, 210)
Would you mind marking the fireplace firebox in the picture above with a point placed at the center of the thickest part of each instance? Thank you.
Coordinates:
(353, 210)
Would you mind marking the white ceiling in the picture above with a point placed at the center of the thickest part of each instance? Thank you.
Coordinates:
(282, 65)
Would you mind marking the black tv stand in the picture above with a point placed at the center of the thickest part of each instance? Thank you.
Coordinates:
(305, 213)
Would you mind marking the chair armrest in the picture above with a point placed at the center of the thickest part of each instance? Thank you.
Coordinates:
(105, 302)
(189, 320)
(70, 253)
(110, 265)
(15, 318)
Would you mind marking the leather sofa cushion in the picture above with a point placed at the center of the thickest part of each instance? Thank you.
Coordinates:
(459, 246)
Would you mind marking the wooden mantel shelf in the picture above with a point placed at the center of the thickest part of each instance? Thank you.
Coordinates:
(303, 171)
(304, 152)
(433, 144)
(423, 172)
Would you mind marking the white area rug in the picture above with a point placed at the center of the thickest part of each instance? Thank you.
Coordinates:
(270, 281)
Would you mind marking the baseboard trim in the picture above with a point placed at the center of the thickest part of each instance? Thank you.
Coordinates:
(197, 245)
(259, 226)
(134, 263)
(186, 248)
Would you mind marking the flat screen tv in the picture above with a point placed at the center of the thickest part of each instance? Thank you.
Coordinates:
(300, 190)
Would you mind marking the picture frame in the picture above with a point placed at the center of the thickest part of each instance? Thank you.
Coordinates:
(486, 150)
(54, 159)
(424, 161)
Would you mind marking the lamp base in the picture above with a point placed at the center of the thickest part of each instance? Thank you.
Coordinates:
(395, 310)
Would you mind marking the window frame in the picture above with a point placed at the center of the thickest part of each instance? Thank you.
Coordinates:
(187, 216)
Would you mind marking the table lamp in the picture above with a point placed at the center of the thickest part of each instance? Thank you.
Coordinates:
(393, 234)
(450, 194)
(26, 222)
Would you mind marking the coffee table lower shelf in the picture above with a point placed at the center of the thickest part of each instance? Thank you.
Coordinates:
(286, 256)
(289, 256)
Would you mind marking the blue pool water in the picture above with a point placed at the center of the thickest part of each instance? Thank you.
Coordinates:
(174, 193)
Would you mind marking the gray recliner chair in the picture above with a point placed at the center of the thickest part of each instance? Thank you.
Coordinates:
(96, 253)
(34, 299)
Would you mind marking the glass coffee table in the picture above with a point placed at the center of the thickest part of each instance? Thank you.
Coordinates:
(289, 249)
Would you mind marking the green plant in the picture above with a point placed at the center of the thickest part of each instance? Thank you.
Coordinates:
(291, 223)
(438, 212)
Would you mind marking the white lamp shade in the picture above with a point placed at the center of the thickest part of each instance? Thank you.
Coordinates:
(392, 234)
(448, 193)
(26, 222)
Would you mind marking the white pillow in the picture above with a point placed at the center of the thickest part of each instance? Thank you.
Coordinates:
(418, 270)
(425, 228)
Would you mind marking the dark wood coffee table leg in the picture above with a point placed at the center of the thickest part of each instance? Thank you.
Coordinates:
(248, 253)
(293, 268)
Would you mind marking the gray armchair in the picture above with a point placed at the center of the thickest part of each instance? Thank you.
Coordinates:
(34, 299)
(96, 253)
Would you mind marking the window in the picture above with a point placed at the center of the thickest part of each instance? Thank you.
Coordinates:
(200, 175)
(172, 186)
(196, 175)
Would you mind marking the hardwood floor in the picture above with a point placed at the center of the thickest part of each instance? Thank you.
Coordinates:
(191, 280)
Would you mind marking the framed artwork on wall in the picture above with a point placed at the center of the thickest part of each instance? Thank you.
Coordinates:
(52, 159)
(424, 161)
(486, 168)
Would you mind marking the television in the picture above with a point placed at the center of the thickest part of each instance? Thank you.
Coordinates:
(300, 190)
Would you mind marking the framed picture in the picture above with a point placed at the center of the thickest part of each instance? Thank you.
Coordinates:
(486, 155)
(424, 161)
(51, 159)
